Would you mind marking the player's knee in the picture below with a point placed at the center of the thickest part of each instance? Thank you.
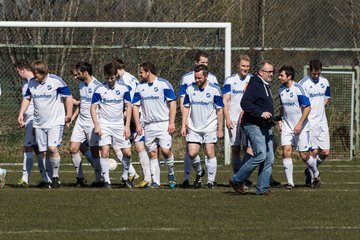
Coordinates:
(166, 152)
(325, 152)
(127, 152)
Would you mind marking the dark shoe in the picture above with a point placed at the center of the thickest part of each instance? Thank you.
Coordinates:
(128, 183)
(197, 182)
(80, 182)
(274, 183)
(185, 184)
(238, 187)
(211, 185)
(43, 185)
(268, 193)
(55, 182)
(307, 177)
(99, 184)
(107, 185)
(247, 183)
(288, 186)
(316, 183)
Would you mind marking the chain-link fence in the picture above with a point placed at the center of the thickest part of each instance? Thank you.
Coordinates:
(285, 32)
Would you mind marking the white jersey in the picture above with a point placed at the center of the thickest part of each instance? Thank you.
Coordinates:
(153, 98)
(48, 106)
(29, 113)
(130, 81)
(293, 101)
(189, 78)
(111, 103)
(235, 87)
(203, 104)
(318, 91)
(86, 94)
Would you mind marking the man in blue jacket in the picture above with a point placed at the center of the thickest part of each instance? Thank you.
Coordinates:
(257, 120)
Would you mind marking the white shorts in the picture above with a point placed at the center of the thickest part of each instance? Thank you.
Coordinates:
(196, 137)
(237, 135)
(134, 137)
(156, 134)
(29, 139)
(114, 136)
(300, 142)
(84, 133)
(319, 137)
(49, 137)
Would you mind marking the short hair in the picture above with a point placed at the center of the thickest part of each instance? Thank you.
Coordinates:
(110, 69)
(119, 63)
(262, 64)
(23, 64)
(40, 67)
(200, 54)
(244, 57)
(149, 67)
(84, 67)
(315, 65)
(289, 71)
(202, 68)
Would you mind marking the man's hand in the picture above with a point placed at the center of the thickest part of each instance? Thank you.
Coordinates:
(171, 128)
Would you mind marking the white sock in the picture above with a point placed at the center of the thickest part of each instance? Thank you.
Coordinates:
(288, 167)
(42, 169)
(119, 155)
(211, 165)
(126, 163)
(311, 163)
(28, 162)
(155, 170)
(97, 169)
(55, 165)
(236, 162)
(48, 166)
(196, 164)
(104, 162)
(131, 171)
(76, 159)
(187, 166)
(169, 162)
(145, 165)
(88, 156)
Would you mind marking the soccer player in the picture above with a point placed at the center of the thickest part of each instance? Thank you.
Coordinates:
(318, 89)
(126, 78)
(294, 127)
(202, 122)
(84, 128)
(157, 100)
(47, 91)
(107, 113)
(23, 68)
(201, 58)
(258, 109)
(233, 90)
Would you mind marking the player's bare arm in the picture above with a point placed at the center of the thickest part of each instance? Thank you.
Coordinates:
(24, 105)
(229, 123)
(220, 121)
(127, 131)
(136, 116)
(305, 114)
(69, 108)
(94, 118)
(184, 117)
(172, 114)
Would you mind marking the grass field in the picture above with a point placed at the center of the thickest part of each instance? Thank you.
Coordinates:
(331, 212)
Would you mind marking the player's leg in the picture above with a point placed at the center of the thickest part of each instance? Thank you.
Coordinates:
(211, 164)
(193, 151)
(324, 146)
(144, 162)
(125, 167)
(77, 162)
(3, 173)
(288, 166)
(42, 142)
(41, 165)
(104, 162)
(28, 155)
(85, 150)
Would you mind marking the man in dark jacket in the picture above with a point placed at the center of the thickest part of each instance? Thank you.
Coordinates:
(257, 120)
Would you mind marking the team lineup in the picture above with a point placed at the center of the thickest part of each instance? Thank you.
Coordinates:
(121, 111)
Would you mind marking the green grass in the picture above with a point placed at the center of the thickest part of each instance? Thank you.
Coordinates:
(331, 212)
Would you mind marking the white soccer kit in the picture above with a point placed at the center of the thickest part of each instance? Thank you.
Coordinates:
(203, 103)
(153, 98)
(49, 112)
(110, 103)
(318, 91)
(293, 101)
(84, 127)
(29, 139)
(189, 78)
(235, 87)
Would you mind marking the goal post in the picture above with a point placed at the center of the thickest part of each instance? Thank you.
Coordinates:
(168, 25)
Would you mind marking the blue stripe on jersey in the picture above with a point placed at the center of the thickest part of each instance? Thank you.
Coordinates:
(96, 98)
(127, 97)
(304, 100)
(166, 82)
(137, 98)
(226, 88)
(215, 86)
(327, 92)
(64, 91)
(300, 88)
(186, 100)
(27, 93)
(182, 90)
(169, 95)
(218, 101)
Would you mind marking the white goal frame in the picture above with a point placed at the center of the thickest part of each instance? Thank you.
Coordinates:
(193, 25)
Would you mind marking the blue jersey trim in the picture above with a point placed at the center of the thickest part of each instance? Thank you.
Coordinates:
(218, 101)
(226, 88)
(304, 100)
(327, 92)
(64, 91)
(137, 98)
(186, 100)
(169, 95)
(96, 98)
